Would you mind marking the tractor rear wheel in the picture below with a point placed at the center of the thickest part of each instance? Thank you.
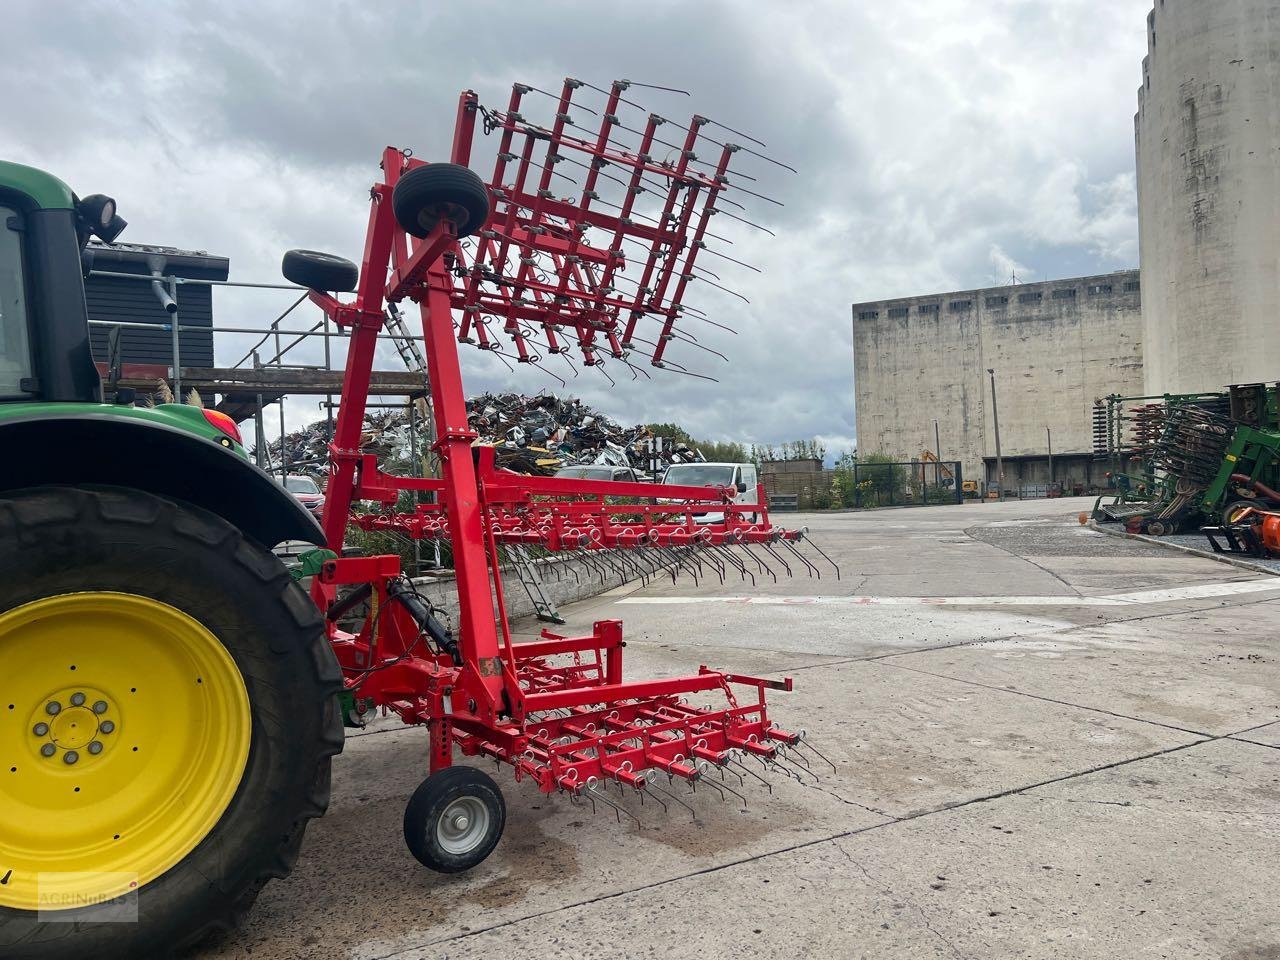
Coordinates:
(167, 715)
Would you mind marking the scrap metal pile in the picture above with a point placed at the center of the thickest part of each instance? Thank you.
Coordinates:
(532, 435)
(542, 433)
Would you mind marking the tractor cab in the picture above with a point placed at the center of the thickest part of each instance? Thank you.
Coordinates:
(44, 333)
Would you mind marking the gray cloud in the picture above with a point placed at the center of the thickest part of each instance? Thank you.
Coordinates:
(938, 143)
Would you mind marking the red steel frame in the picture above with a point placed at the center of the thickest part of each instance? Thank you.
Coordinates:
(557, 709)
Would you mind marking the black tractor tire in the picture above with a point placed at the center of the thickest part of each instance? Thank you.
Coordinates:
(320, 271)
(426, 195)
(464, 789)
(1159, 528)
(1236, 506)
(61, 540)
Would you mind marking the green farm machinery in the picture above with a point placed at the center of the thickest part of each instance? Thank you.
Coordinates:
(1178, 461)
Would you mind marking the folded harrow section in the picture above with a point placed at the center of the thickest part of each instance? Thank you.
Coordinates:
(512, 266)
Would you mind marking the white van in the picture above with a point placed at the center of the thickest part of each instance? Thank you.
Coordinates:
(739, 476)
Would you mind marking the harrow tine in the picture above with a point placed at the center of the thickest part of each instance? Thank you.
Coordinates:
(764, 567)
(725, 768)
(667, 793)
(804, 761)
(737, 564)
(799, 771)
(813, 571)
(618, 809)
(821, 552)
(745, 769)
(724, 786)
(777, 556)
(704, 552)
(576, 800)
(804, 742)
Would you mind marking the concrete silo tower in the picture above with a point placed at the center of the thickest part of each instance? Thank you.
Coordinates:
(1208, 142)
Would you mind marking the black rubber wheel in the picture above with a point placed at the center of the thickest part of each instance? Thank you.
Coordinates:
(1158, 528)
(1235, 507)
(454, 819)
(320, 271)
(57, 542)
(426, 195)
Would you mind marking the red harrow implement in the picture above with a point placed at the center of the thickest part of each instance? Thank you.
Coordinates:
(514, 268)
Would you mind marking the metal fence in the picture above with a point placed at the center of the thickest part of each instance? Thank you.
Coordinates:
(868, 484)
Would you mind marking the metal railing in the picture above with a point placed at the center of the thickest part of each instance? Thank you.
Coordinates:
(166, 290)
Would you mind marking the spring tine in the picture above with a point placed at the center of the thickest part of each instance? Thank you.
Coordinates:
(742, 564)
(764, 566)
(774, 765)
(804, 761)
(813, 571)
(773, 553)
(704, 553)
(672, 796)
(575, 799)
(745, 769)
(714, 786)
(658, 800)
(680, 562)
(725, 786)
(804, 742)
(725, 768)
(800, 771)
(617, 808)
(824, 556)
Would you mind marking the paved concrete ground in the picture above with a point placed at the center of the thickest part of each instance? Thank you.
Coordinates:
(1075, 754)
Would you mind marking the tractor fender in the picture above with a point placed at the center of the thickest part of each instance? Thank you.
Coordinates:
(100, 449)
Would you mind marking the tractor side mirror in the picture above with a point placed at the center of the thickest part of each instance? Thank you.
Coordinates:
(742, 487)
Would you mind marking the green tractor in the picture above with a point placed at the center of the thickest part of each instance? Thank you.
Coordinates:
(167, 694)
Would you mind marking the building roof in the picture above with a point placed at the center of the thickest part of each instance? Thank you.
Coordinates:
(1102, 278)
(143, 258)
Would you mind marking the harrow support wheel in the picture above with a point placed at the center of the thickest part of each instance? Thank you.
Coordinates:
(167, 715)
(454, 819)
(440, 191)
(320, 271)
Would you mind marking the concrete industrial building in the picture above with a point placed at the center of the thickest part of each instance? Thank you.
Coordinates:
(1055, 347)
(1208, 149)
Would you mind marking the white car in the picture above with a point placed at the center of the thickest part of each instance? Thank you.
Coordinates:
(739, 476)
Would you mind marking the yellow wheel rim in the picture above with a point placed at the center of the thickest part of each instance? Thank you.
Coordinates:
(124, 732)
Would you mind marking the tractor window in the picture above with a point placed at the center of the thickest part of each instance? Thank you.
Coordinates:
(15, 345)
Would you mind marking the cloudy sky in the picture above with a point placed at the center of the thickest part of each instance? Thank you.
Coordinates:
(939, 144)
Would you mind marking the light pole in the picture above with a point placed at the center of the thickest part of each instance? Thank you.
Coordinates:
(1048, 435)
(995, 417)
(937, 457)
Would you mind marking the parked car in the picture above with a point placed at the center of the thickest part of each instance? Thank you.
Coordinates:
(740, 476)
(306, 491)
(601, 471)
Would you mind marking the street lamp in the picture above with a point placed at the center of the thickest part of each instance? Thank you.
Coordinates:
(937, 453)
(995, 417)
(1048, 435)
